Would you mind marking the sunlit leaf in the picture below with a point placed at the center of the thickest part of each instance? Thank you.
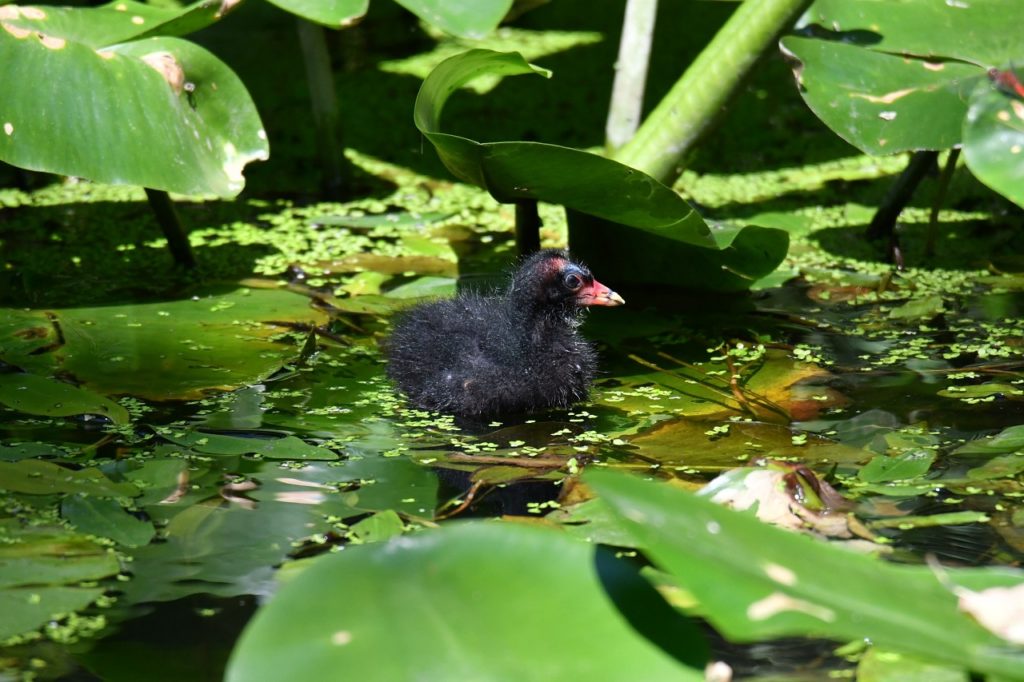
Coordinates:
(783, 583)
(592, 185)
(167, 350)
(994, 139)
(159, 112)
(391, 611)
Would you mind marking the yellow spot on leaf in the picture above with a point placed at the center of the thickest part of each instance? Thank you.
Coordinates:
(121, 7)
(932, 66)
(888, 98)
(16, 31)
(138, 21)
(1015, 149)
(777, 602)
(52, 42)
(1003, 116)
(9, 128)
(1018, 109)
(106, 54)
(780, 574)
(33, 13)
(9, 12)
(341, 637)
(166, 64)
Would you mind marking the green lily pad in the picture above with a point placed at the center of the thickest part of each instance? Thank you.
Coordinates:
(161, 351)
(33, 394)
(15, 451)
(1008, 440)
(378, 527)
(45, 478)
(106, 518)
(38, 572)
(392, 611)
(29, 608)
(287, 447)
(903, 467)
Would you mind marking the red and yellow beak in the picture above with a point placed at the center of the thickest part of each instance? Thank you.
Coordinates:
(596, 293)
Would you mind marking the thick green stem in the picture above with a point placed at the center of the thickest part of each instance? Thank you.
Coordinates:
(334, 167)
(690, 107)
(177, 240)
(630, 73)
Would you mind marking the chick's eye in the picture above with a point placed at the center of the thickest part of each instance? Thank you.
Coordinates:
(573, 281)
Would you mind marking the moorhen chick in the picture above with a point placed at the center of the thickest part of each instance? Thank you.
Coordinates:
(484, 356)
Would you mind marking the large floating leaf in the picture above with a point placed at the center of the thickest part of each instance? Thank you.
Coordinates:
(106, 518)
(782, 583)
(593, 185)
(287, 447)
(39, 570)
(554, 608)
(176, 349)
(159, 112)
(44, 478)
(38, 395)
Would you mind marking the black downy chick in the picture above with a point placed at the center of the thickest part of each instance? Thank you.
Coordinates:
(476, 356)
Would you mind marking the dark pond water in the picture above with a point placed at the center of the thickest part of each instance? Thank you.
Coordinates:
(227, 509)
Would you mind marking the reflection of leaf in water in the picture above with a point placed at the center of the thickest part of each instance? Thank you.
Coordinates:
(160, 351)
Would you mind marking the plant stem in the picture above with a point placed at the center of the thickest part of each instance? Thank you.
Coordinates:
(883, 224)
(940, 199)
(334, 168)
(527, 227)
(686, 112)
(170, 223)
(630, 73)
